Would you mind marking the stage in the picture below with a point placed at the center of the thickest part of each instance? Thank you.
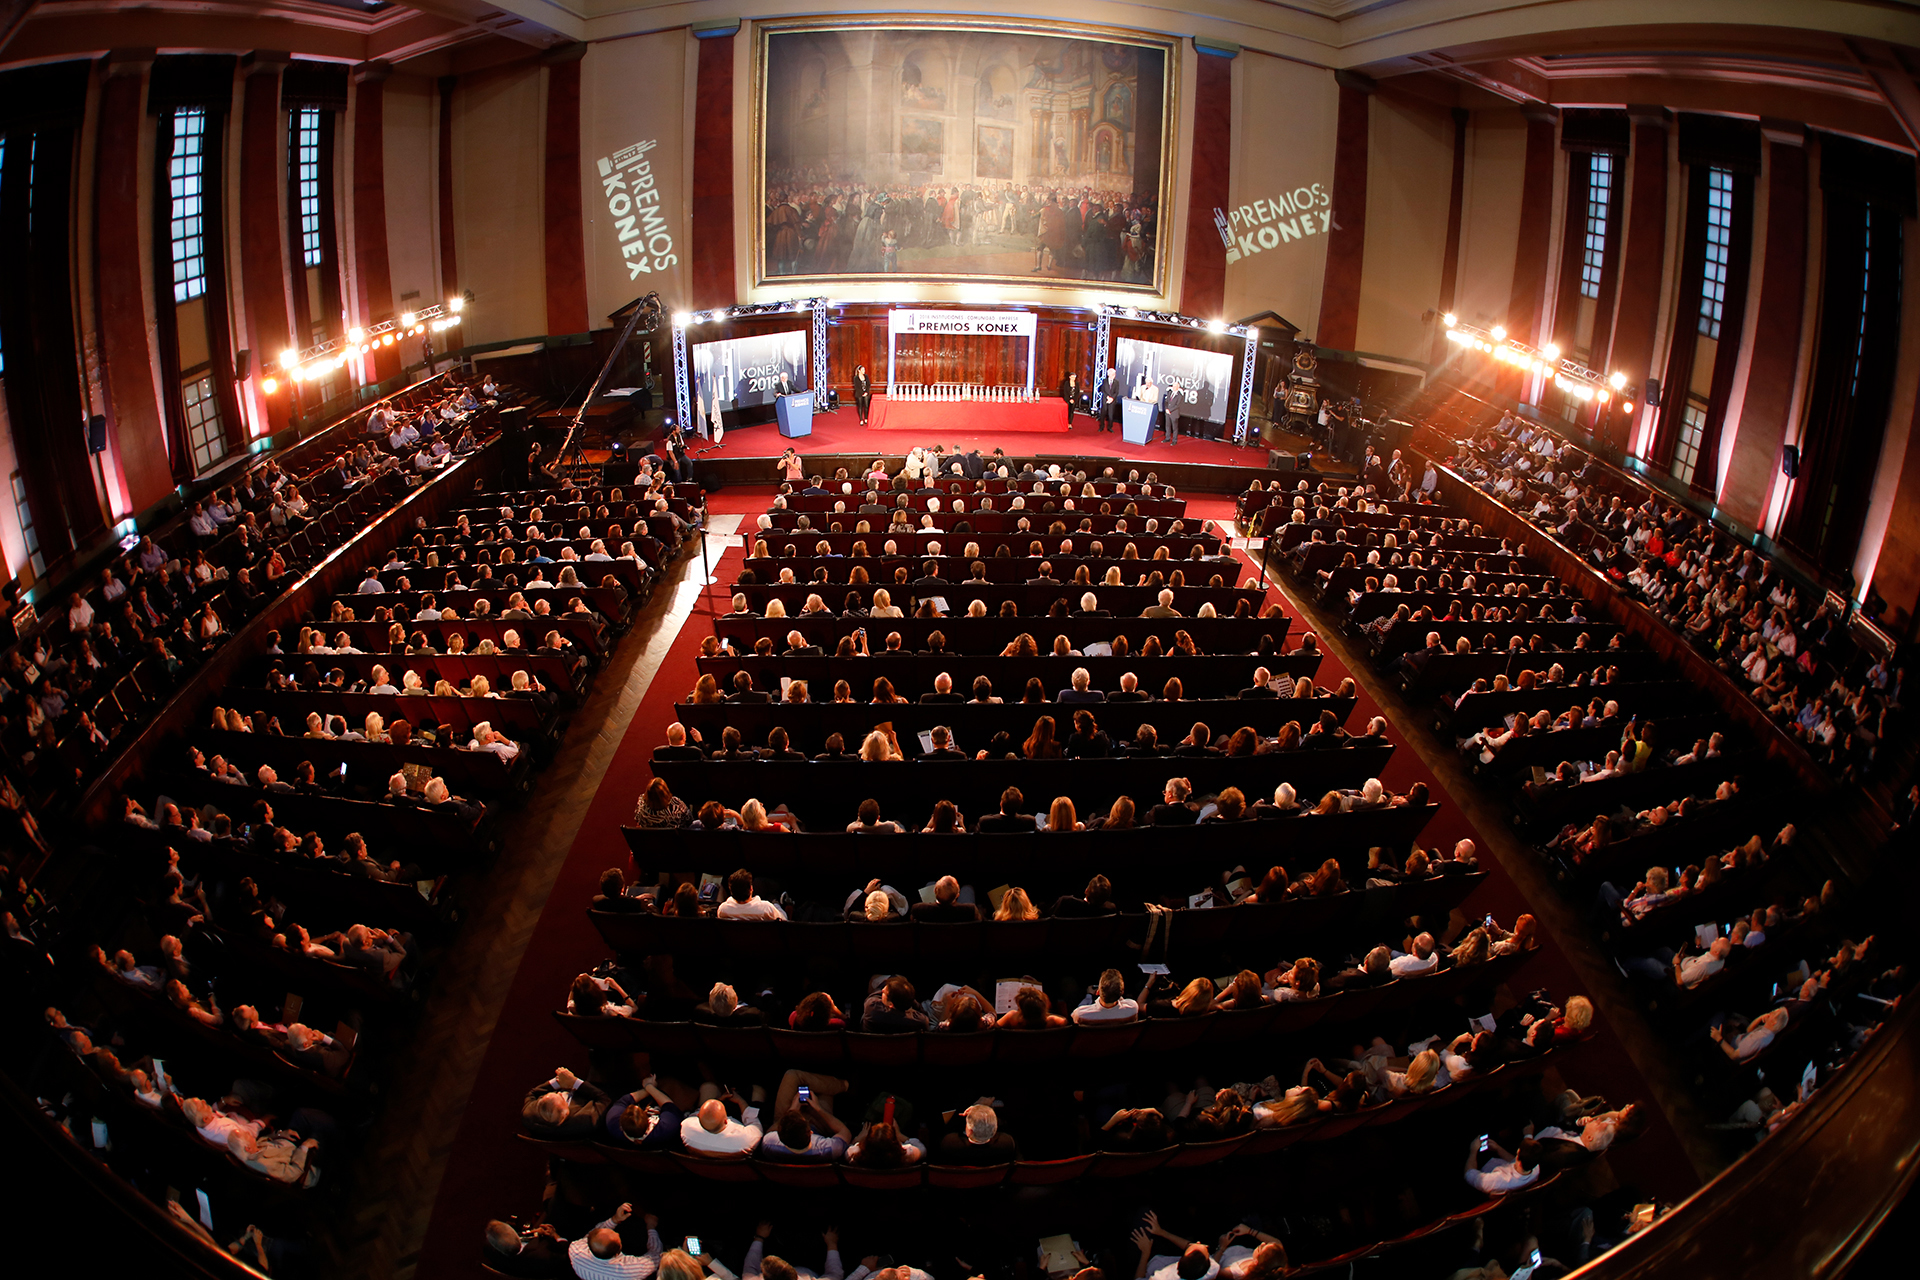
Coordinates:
(973, 426)
(937, 419)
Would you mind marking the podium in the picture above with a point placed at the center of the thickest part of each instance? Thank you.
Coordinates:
(795, 414)
(1136, 421)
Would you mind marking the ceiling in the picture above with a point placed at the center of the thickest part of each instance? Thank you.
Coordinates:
(1840, 64)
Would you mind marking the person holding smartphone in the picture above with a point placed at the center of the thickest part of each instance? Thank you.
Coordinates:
(1506, 1171)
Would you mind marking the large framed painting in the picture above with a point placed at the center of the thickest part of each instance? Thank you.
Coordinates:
(962, 151)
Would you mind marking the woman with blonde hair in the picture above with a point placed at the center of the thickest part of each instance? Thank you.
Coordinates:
(1195, 998)
(1060, 817)
(706, 690)
(480, 687)
(1015, 905)
(376, 727)
(775, 608)
(880, 745)
(753, 817)
(883, 605)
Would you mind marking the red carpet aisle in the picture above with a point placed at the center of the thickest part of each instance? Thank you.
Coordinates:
(491, 1172)
(982, 428)
(1657, 1161)
(938, 419)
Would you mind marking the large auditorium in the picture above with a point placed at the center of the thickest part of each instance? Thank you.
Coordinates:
(478, 467)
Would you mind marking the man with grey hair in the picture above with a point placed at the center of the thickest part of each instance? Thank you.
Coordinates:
(1082, 690)
(1089, 604)
(537, 1254)
(974, 1138)
(1163, 607)
(564, 1107)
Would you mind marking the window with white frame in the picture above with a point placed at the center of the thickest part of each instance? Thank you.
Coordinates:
(204, 432)
(1686, 450)
(186, 174)
(1599, 194)
(24, 514)
(1713, 277)
(306, 177)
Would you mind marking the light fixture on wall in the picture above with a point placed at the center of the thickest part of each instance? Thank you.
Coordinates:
(269, 385)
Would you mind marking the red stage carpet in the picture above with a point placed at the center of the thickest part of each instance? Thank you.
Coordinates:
(937, 419)
(974, 427)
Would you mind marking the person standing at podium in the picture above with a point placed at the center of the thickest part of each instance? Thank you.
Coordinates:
(1070, 392)
(862, 393)
(1148, 393)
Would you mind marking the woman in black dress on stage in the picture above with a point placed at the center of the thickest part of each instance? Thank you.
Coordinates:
(862, 393)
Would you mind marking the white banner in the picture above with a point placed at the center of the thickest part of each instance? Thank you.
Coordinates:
(1001, 324)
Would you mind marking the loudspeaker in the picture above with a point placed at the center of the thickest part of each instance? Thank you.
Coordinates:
(711, 481)
(1790, 462)
(1653, 392)
(1279, 460)
(242, 364)
(97, 433)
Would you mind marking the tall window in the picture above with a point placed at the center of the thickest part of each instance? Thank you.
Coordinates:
(1686, 450)
(187, 179)
(24, 514)
(203, 422)
(1599, 193)
(1713, 278)
(306, 176)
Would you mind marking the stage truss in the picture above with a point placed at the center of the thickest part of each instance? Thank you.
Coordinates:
(1242, 417)
(683, 389)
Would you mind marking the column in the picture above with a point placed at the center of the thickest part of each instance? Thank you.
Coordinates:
(1203, 284)
(127, 360)
(263, 262)
(449, 255)
(1347, 241)
(1642, 256)
(713, 269)
(1527, 308)
(1775, 342)
(565, 232)
(373, 279)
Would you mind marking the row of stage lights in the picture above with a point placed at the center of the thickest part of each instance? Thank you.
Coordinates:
(328, 357)
(1575, 380)
(687, 319)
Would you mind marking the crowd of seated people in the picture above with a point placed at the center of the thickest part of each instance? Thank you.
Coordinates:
(683, 1108)
(1788, 650)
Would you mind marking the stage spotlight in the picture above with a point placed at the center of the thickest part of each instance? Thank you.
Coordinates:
(1552, 352)
(1499, 333)
(289, 358)
(269, 385)
(1604, 395)
(455, 304)
(355, 334)
(681, 319)
(406, 319)
(1450, 319)
(1218, 326)
(1627, 405)
(1618, 381)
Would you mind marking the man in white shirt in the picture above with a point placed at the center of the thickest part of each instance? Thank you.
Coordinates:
(1694, 970)
(1110, 1004)
(371, 584)
(486, 738)
(215, 1126)
(711, 1131)
(1422, 959)
(201, 523)
(1507, 1172)
(1191, 1262)
(598, 1255)
(377, 420)
(744, 904)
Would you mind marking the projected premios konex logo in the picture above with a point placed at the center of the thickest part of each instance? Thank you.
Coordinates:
(1277, 220)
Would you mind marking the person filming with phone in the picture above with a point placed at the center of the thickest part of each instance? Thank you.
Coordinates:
(1507, 1171)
